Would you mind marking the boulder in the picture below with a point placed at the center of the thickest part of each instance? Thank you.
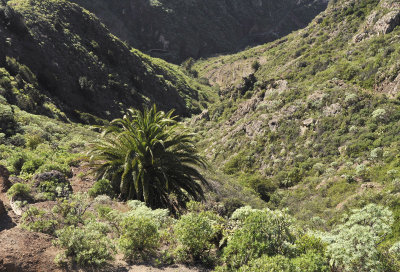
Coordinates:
(5, 183)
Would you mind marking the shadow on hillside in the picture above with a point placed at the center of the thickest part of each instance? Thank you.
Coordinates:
(6, 222)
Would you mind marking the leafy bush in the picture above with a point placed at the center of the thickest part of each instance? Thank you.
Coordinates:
(39, 221)
(353, 245)
(267, 263)
(139, 209)
(139, 236)
(311, 262)
(194, 233)
(101, 187)
(262, 232)
(19, 190)
(88, 245)
(8, 124)
(54, 187)
(72, 211)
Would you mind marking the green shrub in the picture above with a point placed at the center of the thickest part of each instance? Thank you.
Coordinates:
(139, 209)
(39, 221)
(139, 236)
(30, 166)
(8, 124)
(32, 141)
(262, 232)
(276, 263)
(311, 262)
(19, 190)
(87, 245)
(101, 187)
(72, 211)
(194, 233)
(353, 245)
(54, 188)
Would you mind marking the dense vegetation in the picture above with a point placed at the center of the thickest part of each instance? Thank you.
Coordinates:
(301, 138)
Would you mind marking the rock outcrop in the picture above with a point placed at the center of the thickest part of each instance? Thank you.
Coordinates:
(388, 22)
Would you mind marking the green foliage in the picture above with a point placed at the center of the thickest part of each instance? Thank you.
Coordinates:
(87, 245)
(139, 236)
(72, 211)
(55, 188)
(311, 262)
(139, 209)
(19, 190)
(268, 263)
(8, 124)
(101, 187)
(262, 232)
(353, 245)
(39, 221)
(147, 156)
(194, 233)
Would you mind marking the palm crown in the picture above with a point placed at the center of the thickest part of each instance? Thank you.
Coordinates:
(149, 156)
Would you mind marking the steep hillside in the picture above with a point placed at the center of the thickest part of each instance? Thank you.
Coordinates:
(59, 59)
(176, 30)
(312, 121)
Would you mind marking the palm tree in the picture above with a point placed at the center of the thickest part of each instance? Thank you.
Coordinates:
(150, 157)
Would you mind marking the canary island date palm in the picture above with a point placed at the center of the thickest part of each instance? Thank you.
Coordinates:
(149, 156)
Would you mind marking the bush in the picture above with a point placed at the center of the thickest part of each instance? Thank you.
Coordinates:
(53, 187)
(277, 263)
(194, 233)
(8, 124)
(311, 262)
(262, 232)
(139, 236)
(39, 221)
(139, 209)
(19, 190)
(101, 187)
(352, 246)
(73, 210)
(87, 246)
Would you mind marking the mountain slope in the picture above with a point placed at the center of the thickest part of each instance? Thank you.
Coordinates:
(56, 54)
(176, 30)
(311, 121)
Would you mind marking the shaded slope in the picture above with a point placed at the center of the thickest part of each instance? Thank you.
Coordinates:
(64, 53)
(176, 30)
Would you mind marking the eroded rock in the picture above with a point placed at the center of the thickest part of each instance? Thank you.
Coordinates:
(388, 22)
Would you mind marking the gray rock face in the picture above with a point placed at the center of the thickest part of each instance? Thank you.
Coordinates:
(388, 22)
